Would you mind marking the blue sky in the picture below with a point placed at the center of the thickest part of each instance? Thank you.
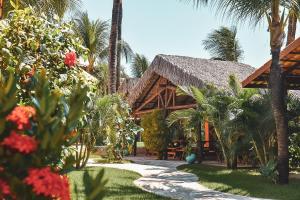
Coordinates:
(154, 27)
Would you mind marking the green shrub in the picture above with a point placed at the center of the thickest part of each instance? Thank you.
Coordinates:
(30, 43)
(155, 134)
(270, 171)
(294, 150)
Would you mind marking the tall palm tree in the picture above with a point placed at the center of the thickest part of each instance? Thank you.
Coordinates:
(94, 35)
(113, 49)
(139, 65)
(223, 44)
(255, 11)
(50, 7)
(120, 18)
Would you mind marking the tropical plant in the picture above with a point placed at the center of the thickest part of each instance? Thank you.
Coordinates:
(269, 171)
(139, 65)
(112, 121)
(255, 11)
(33, 140)
(223, 44)
(31, 43)
(155, 134)
(49, 7)
(292, 24)
(94, 35)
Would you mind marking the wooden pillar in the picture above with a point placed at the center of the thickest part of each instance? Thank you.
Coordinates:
(135, 144)
(206, 134)
(1, 9)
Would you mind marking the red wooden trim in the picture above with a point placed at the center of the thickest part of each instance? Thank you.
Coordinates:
(267, 65)
(206, 134)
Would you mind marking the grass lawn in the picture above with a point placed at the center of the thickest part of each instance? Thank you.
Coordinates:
(243, 182)
(120, 185)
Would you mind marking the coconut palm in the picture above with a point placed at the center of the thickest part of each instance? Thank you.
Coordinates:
(139, 65)
(255, 11)
(118, 70)
(50, 7)
(94, 35)
(113, 46)
(223, 44)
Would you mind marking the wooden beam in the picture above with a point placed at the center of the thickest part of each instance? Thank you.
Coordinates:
(267, 65)
(150, 99)
(180, 107)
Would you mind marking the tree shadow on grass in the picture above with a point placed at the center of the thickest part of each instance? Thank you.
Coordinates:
(242, 182)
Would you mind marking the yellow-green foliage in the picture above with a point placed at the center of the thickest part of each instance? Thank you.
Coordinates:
(155, 131)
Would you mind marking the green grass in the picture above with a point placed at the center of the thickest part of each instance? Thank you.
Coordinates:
(120, 185)
(243, 182)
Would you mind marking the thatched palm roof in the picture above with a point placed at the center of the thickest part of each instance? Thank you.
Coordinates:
(187, 71)
(126, 85)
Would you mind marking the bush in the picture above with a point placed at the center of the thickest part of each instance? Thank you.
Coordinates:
(30, 43)
(155, 134)
(294, 150)
(270, 171)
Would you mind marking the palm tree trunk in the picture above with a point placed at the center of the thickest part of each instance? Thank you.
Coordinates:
(113, 47)
(119, 44)
(292, 27)
(278, 101)
(278, 93)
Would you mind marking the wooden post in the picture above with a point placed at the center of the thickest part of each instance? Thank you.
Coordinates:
(1, 9)
(206, 134)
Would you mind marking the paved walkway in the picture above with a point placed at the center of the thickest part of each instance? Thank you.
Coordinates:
(162, 178)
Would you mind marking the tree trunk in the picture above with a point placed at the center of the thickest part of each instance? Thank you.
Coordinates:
(113, 47)
(278, 101)
(119, 44)
(292, 28)
(278, 93)
(199, 144)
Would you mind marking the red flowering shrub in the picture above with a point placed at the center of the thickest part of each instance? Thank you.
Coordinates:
(20, 116)
(33, 139)
(46, 183)
(4, 189)
(70, 59)
(20, 142)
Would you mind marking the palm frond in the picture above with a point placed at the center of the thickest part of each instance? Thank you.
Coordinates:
(139, 65)
(223, 44)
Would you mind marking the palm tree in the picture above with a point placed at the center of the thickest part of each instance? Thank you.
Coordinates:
(223, 44)
(292, 25)
(94, 35)
(50, 7)
(255, 11)
(139, 65)
(113, 41)
(120, 18)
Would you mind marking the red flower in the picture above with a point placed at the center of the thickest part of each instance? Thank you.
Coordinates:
(48, 184)
(20, 116)
(22, 143)
(4, 189)
(70, 59)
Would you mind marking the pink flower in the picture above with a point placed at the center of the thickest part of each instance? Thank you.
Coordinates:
(21, 143)
(48, 184)
(70, 59)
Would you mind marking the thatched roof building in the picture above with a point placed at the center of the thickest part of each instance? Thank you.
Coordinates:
(156, 89)
(126, 85)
